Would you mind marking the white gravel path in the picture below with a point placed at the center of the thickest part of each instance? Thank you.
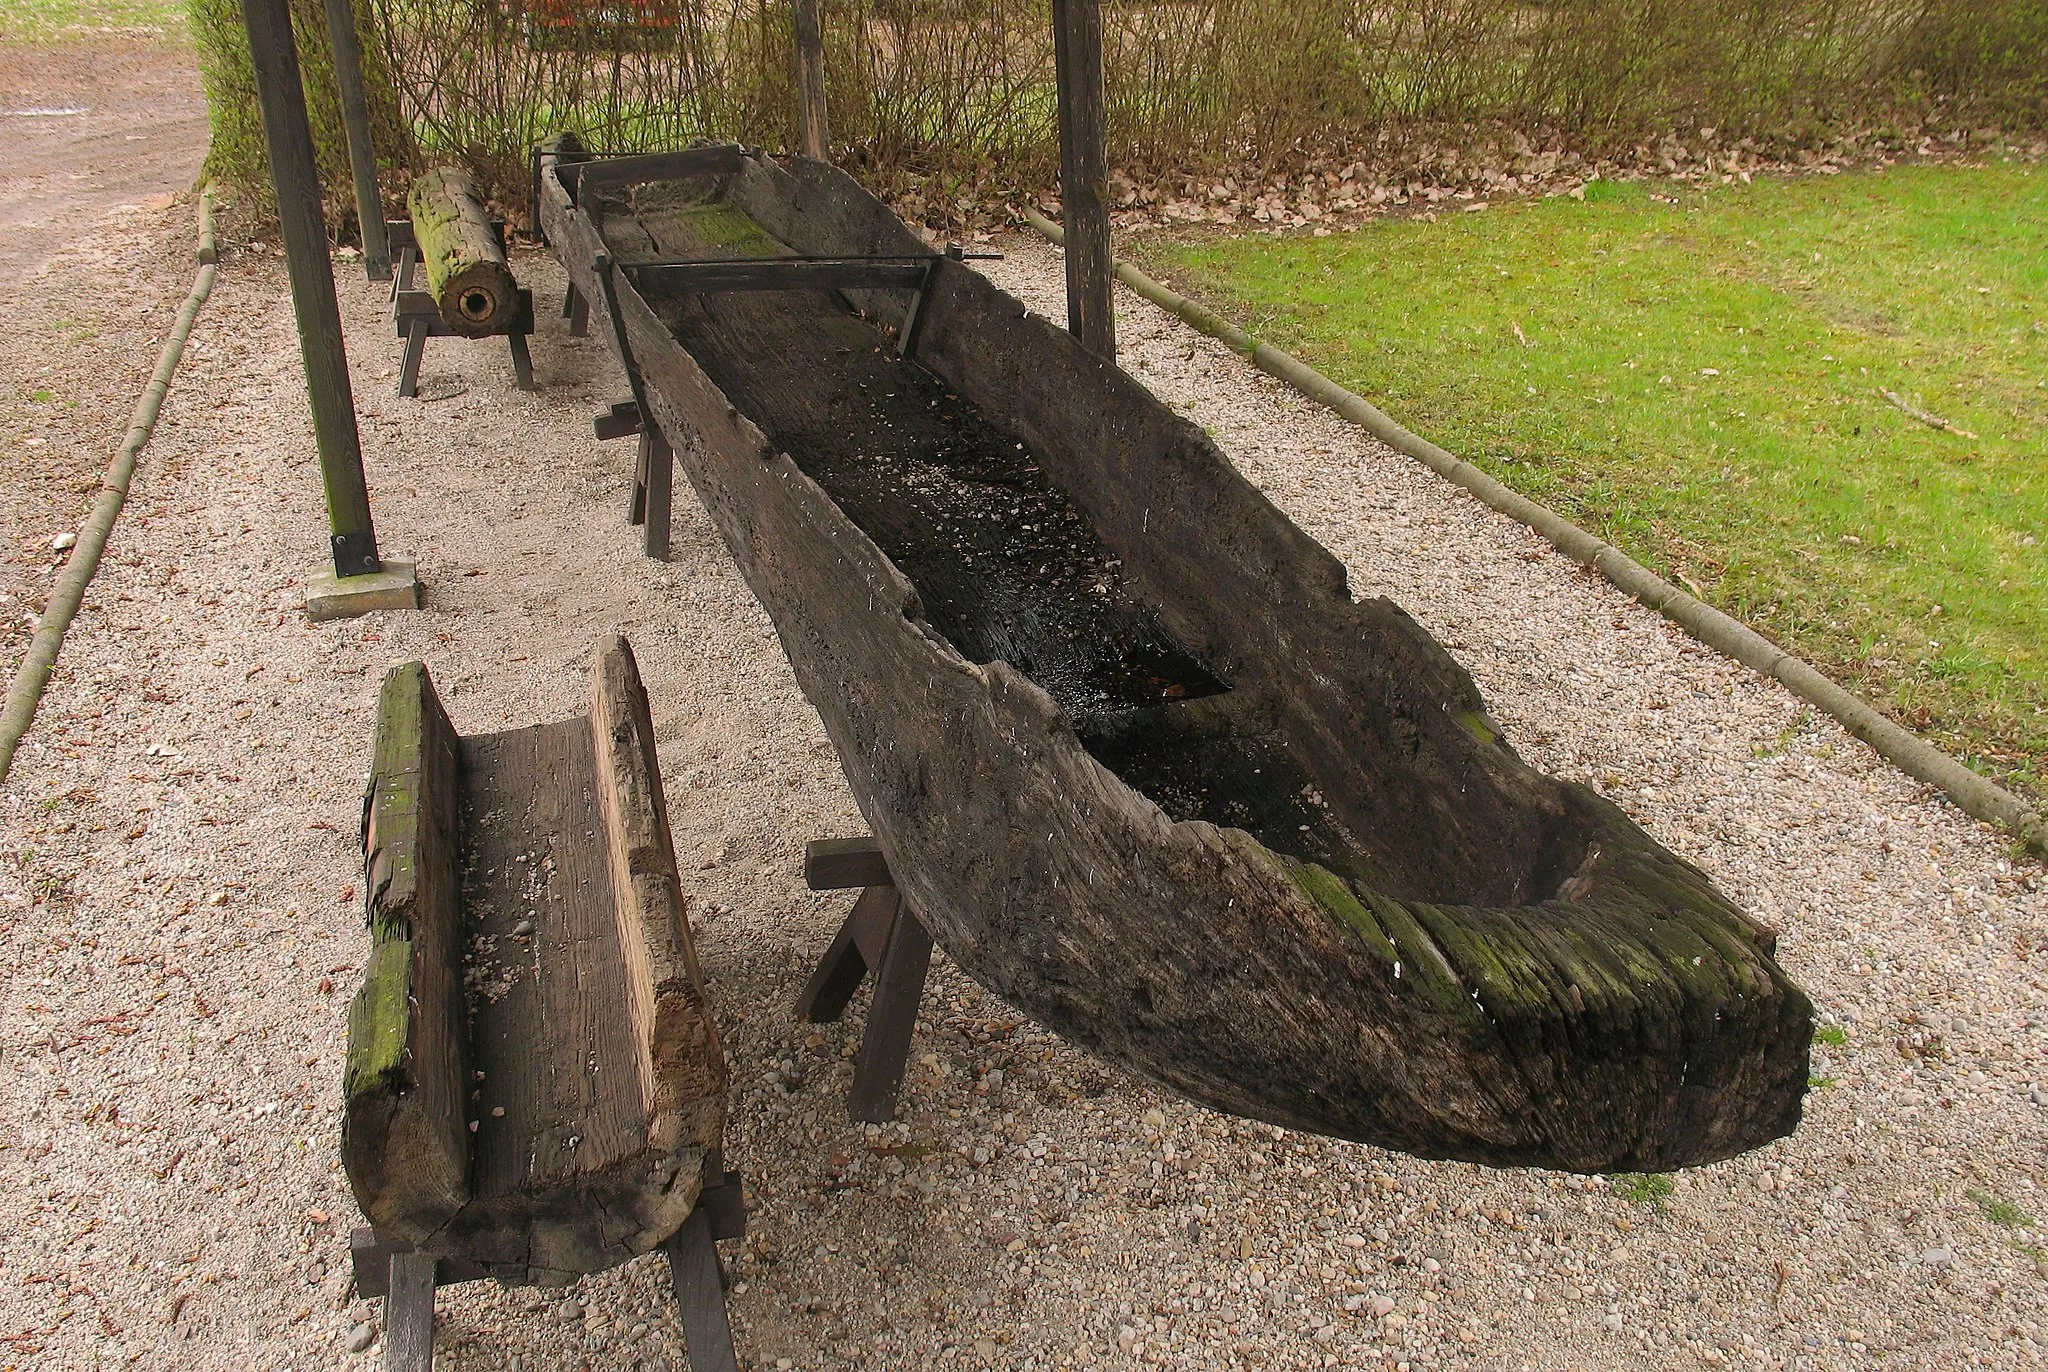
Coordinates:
(180, 933)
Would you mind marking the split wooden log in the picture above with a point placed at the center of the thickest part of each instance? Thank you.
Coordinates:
(465, 263)
(535, 1079)
(405, 1140)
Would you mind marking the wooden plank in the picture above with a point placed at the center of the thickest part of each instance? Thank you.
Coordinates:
(808, 26)
(1084, 174)
(370, 1261)
(683, 1066)
(700, 1297)
(660, 468)
(874, 919)
(585, 177)
(781, 274)
(405, 1137)
(620, 421)
(835, 864)
(409, 1314)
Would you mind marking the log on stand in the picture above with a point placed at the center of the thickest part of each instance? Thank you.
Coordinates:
(534, 1088)
(418, 315)
(468, 273)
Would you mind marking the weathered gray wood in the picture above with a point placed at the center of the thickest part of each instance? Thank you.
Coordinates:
(808, 25)
(1084, 173)
(1466, 958)
(591, 1086)
(405, 1138)
(467, 271)
(674, 1034)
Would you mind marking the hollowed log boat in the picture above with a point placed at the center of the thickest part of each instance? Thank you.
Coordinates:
(1137, 757)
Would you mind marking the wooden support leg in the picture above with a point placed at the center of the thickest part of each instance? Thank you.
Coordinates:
(409, 366)
(401, 276)
(578, 311)
(522, 361)
(661, 472)
(409, 1314)
(638, 513)
(700, 1296)
(892, 1015)
(882, 934)
(831, 987)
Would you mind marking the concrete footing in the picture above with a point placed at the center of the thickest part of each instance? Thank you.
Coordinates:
(328, 596)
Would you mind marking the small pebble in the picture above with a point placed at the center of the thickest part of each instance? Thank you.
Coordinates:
(361, 1336)
(523, 928)
(568, 1312)
(64, 542)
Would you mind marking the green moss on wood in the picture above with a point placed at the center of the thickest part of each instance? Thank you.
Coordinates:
(722, 224)
(379, 1019)
(1474, 722)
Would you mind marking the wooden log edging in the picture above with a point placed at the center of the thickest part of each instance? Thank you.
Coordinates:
(32, 677)
(1975, 795)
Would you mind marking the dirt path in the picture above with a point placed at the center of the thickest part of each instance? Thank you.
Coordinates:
(180, 932)
(91, 128)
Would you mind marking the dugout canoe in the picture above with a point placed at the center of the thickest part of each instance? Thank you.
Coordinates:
(1137, 757)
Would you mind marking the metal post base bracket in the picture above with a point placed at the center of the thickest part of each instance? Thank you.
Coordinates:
(328, 596)
(882, 936)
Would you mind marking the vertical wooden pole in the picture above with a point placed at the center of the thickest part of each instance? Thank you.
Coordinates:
(1084, 173)
(810, 78)
(288, 138)
(362, 153)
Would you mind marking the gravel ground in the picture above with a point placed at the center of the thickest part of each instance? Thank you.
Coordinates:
(179, 909)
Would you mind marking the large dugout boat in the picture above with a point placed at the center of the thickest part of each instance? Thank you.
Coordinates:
(1137, 758)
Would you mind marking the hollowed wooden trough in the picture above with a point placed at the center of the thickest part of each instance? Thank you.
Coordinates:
(534, 1079)
(1136, 756)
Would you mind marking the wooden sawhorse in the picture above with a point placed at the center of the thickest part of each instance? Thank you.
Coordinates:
(418, 317)
(882, 935)
(407, 1279)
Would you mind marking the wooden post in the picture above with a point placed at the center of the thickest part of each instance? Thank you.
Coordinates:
(362, 153)
(1084, 173)
(288, 138)
(810, 78)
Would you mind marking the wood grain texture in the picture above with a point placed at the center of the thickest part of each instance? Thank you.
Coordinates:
(591, 1083)
(1461, 958)
(466, 268)
(684, 1075)
(405, 1142)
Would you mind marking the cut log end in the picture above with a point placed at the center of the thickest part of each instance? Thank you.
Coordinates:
(467, 271)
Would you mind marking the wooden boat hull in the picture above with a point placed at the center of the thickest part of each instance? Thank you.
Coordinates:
(1452, 954)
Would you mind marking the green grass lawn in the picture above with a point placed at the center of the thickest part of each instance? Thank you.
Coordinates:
(1696, 378)
(52, 21)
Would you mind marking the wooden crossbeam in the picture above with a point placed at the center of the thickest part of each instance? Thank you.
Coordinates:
(784, 274)
(722, 160)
